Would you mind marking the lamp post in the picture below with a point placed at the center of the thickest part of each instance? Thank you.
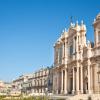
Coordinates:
(99, 79)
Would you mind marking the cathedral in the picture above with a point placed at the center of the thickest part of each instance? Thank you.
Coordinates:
(77, 61)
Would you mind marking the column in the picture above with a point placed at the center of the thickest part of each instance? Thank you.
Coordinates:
(81, 79)
(73, 91)
(74, 45)
(62, 82)
(65, 87)
(65, 52)
(55, 55)
(77, 43)
(77, 79)
(77, 51)
(96, 37)
(74, 48)
(57, 82)
(89, 87)
(91, 79)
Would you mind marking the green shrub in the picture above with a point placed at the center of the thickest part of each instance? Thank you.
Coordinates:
(21, 98)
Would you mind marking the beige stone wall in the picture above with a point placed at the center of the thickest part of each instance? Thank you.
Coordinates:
(79, 55)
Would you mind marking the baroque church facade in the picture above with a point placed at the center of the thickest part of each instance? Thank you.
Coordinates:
(76, 61)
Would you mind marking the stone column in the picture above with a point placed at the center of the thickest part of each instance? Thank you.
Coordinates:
(79, 40)
(77, 43)
(77, 79)
(81, 79)
(55, 55)
(89, 84)
(91, 80)
(74, 45)
(57, 82)
(73, 91)
(62, 82)
(65, 59)
(77, 51)
(42, 90)
(62, 53)
(74, 48)
(96, 37)
(65, 87)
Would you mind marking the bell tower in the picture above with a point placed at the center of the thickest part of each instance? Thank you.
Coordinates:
(96, 25)
(83, 34)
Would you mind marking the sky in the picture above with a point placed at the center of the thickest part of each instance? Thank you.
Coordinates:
(29, 29)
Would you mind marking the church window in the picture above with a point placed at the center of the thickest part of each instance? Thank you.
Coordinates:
(71, 49)
(60, 54)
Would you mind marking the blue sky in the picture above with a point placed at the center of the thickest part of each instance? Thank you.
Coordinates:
(29, 28)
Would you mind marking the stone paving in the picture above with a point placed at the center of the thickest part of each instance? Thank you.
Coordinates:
(76, 97)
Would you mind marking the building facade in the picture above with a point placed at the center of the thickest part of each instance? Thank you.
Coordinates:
(17, 84)
(40, 82)
(36, 83)
(5, 88)
(77, 61)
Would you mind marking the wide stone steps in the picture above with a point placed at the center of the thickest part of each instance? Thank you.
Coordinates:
(76, 97)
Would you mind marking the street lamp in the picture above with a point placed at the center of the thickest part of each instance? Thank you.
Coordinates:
(99, 79)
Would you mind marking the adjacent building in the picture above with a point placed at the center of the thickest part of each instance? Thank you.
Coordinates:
(17, 84)
(41, 82)
(77, 61)
(37, 83)
(5, 88)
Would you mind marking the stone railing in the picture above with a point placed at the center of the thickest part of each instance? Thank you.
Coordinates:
(96, 52)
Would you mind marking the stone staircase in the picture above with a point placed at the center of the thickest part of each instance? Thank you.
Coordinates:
(85, 97)
(76, 97)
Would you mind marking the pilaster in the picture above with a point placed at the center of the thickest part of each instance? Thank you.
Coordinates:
(73, 91)
(77, 79)
(89, 84)
(81, 79)
(96, 37)
(62, 81)
(65, 52)
(65, 87)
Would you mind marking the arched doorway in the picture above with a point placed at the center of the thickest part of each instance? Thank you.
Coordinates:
(85, 85)
(70, 85)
